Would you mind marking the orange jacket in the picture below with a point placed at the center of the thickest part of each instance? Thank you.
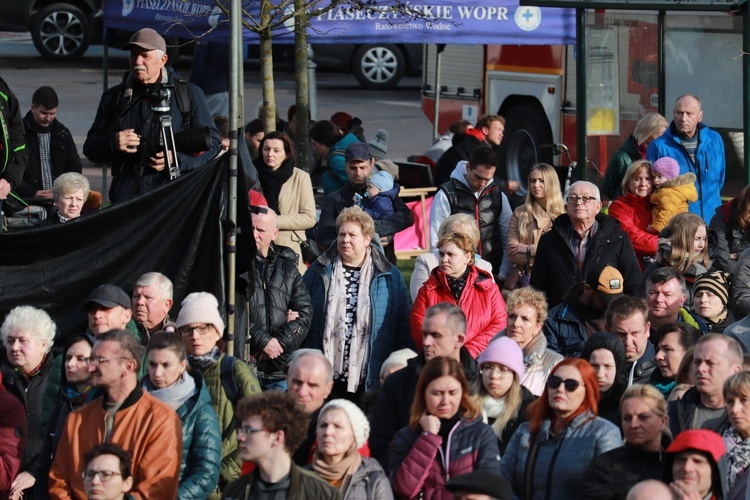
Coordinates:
(149, 429)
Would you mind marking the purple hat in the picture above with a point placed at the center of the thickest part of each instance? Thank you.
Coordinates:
(666, 166)
(503, 351)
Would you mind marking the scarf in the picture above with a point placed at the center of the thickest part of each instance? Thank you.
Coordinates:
(492, 408)
(334, 331)
(272, 180)
(206, 360)
(174, 395)
(738, 455)
(457, 285)
(342, 471)
(35, 371)
(78, 399)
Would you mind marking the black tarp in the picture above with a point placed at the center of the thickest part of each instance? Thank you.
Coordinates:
(179, 230)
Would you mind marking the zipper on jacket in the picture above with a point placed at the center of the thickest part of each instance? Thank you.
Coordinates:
(548, 487)
(446, 457)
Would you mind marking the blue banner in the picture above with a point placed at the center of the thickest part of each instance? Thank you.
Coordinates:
(439, 21)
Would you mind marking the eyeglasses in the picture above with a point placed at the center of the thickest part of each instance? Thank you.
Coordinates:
(247, 430)
(99, 361)
(499, 370)
(573, 200)
(570, 385)
(104, 475)
(187, 331)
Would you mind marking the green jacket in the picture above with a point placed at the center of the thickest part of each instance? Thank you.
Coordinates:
(231, 463)
(617, 166)
(304, 485)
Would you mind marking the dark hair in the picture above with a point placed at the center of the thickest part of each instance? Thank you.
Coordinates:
(78, 337)
(279, 136)
(483, 156)
(45, 97)
(279, 412)
(436, 368)
(325, 132)
(625, 307)
(688, 334)
(110, 449)
(167, 340)
(222, 125)
(740, 209)
(459, 126)
(664, 274)
(128, 342)
(254, 126)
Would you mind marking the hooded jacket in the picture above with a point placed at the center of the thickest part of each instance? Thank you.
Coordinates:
(391, 412)
(698, 441)
(13, 154)
(462, 146)
(555, 268)
(634, 215)
(730, 238)
(381, 206)
(672, 198)
(609, 400)
(389, 309)
(480, 301)
(420, 462)
(709, 166)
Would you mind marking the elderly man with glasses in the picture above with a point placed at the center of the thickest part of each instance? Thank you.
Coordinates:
(126, 416)
(580, 239)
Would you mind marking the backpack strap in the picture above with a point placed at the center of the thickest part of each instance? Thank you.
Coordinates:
(231, 389)
(183, 102)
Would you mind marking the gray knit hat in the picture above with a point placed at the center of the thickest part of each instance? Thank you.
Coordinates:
(200, 307)
(379, 145)
(360, 425)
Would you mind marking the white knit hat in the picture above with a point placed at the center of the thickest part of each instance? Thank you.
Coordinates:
(360, 425)
(200, 307)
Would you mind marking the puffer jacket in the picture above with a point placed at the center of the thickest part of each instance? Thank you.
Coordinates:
(389, 309)
(480, 300)
(201, 444)
(634, 215)
(730, 238)
(13, 154)
(618, 166)
(369, 482)
(381, 206)
(278, 287)
(672, 199)
(231, 463)
(304, 485)
(562, 460)
(709, 166)
(31, 394)
(420, 463)
(12, 439)
(335, 177)
(555, 267)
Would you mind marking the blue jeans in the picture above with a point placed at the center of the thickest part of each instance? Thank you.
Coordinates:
(268, 385)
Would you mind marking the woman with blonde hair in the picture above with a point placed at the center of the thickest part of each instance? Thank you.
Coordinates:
(445, 437)
(529, 221)
(633, 209)
(498, 391)
(457, 223)
(644, 425)
(648, 128)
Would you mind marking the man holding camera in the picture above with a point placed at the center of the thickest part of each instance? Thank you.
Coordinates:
(133, 115)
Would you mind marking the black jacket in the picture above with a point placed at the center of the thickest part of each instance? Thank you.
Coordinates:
(63, 155)
(343, 198)
(555, 268)
(130, 171)
(609, 401)
(526, 399)
(391, 412)
(612, 474)
(463, 145)
(278, 287)
(681, 412)
(13, 159)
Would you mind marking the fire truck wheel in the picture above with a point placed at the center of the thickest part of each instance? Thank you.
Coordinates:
(526, 128)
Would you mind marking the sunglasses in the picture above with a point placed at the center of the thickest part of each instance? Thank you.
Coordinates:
(570, 385)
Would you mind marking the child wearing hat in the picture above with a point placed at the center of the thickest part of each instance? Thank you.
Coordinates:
(378, 199)
(672, 192)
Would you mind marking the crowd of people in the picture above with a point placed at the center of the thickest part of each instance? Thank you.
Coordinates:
(545, 347)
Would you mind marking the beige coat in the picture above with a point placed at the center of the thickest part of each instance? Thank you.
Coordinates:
(297, 208)
(541, 223)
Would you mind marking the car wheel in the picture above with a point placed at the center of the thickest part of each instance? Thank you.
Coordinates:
(61, 32)
(525, 130)
(379, 66)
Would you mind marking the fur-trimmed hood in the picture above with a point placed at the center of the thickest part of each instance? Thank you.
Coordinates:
(680, 180)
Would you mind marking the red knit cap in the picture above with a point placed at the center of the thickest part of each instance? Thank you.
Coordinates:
(700, 440)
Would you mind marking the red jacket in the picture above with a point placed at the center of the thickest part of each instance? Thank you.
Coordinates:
(481, 302)
(634, 215)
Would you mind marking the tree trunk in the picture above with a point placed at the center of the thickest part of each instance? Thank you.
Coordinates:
(305, 158)
(266, 71)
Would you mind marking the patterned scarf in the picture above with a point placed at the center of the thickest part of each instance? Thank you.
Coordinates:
(457, 285)
(738, 455)
(205, 360)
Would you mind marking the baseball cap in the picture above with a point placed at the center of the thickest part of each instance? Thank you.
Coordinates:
(147, 39)
(607, 281)
(108, 296)
(358, 151)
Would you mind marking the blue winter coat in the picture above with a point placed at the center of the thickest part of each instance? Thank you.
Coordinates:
(381, 206)
(390, 309)
(201, 444)
(562, 460)
(709, 167)
(565, 331)
(335, 177)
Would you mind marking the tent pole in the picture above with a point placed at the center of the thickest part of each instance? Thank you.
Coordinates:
(436, 110)
(235, 121)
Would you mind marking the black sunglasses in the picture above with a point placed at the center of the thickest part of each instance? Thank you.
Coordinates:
(570, 385)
